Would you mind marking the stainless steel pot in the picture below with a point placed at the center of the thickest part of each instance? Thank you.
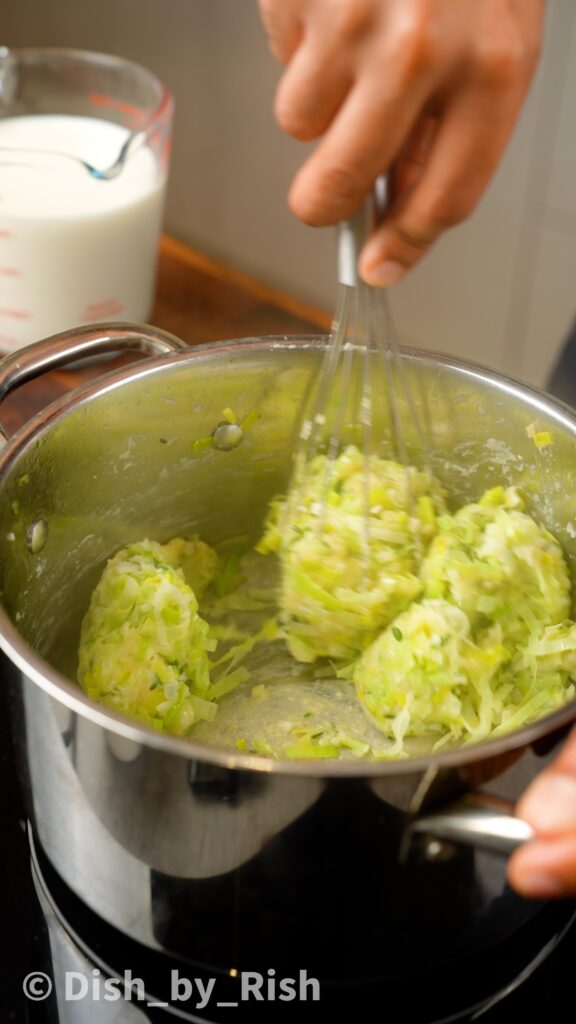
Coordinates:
(221, 857)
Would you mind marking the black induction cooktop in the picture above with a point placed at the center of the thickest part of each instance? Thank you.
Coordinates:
(546, 991)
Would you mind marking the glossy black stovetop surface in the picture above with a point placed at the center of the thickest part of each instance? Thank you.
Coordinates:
(547, 992)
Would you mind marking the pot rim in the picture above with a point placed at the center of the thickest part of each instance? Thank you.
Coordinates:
(68, 693)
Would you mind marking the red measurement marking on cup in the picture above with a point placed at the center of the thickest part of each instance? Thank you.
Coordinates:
(14, 314)
(10, 271)
(5, 233)
(100, 310)
(132, 116)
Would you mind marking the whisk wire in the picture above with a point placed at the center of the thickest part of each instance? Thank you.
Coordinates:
(366, 419)
(402, 376)
(362, 397)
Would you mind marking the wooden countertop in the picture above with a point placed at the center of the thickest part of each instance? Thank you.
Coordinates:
(197, 299)
(200, 300)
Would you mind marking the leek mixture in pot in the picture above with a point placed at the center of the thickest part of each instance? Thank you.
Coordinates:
(413, 630)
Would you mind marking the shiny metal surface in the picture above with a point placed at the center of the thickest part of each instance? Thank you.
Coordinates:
(72, 948)
(72, 346)
(479, 821)
(70, 961)
(236, 849)
(352, 233)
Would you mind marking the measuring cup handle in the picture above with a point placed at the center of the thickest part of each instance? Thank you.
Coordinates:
(82, 343)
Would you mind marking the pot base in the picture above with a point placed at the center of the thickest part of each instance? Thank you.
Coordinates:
(99, 960)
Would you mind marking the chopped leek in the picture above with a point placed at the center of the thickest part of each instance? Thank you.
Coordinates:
(143, 646)
(349, 540)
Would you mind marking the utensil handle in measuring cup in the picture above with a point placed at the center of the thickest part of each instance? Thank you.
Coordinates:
(82, 343)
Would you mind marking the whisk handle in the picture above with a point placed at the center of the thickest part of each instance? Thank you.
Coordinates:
(352, 233)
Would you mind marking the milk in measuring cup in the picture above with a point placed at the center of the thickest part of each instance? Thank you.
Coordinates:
(74, 249)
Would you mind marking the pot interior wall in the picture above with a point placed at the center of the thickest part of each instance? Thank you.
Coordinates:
(126, 463)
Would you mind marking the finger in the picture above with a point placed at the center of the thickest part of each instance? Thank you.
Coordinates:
(469, 142)
(541, 870)
(283, 27)
(312, 90)
(549, 803)
(361, 143)
(409, 166)
(566, 759)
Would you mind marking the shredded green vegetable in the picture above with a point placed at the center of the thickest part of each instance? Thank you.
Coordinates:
(487, 650)
(343, 582)
(144, 647)
(499, 567)
(471, 640)
(452, 627)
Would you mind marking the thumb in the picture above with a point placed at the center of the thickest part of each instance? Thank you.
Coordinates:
(547, 866)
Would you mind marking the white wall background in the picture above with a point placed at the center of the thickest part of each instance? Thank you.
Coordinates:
(500, 290)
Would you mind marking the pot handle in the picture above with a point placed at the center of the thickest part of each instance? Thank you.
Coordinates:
(82, 343)
(477, 819)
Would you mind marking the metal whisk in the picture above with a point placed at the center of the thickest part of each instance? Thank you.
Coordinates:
(361, 505)
(362, 396)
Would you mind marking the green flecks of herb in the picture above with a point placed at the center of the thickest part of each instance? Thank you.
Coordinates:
(397, 633)
(23, 480)
(307, 714)
(157, 682)
(15, 506)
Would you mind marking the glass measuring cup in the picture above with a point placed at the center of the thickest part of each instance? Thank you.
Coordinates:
(84, 156)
